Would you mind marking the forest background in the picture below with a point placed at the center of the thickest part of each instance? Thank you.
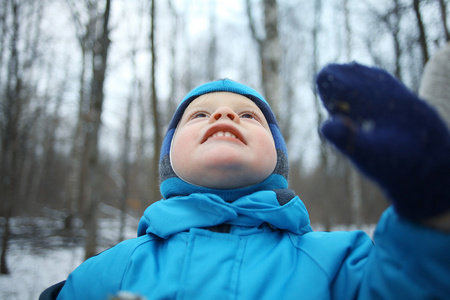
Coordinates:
(87, 88)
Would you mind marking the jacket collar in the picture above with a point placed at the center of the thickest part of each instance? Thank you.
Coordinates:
(167, 217)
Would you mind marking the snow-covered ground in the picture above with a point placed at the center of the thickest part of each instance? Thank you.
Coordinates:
(32, 272)
(38, 259)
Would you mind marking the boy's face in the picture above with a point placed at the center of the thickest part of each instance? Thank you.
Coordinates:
(223, 141)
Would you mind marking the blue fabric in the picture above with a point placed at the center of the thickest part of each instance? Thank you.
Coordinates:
(224, 85)
(390, 134)
(167, 217)
(409, 250)
(174, 186)
(173, 260)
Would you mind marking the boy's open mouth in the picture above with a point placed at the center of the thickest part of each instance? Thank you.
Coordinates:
(224, 131)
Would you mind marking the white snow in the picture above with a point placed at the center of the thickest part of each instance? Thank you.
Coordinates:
(36, 265)
(32, 272)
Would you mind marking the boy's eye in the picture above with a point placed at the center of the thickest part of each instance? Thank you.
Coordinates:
(247, 116)
(199, 115)
(250, 114)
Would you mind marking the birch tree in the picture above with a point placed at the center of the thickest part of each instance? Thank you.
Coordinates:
(212, 47)
(270, 54)
(157, 139)
(435, 86)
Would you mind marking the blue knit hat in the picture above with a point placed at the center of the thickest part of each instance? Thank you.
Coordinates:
(171, 185)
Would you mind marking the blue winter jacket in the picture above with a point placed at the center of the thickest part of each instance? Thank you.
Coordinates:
(268, 252)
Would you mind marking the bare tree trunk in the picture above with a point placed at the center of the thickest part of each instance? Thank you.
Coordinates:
(356, 195)
(72, 203)
(355, 185)
(100, 55)
(45, 182)
(443, 9)
(10, 140)
(189, 74)
(126, 147)
(396, 38)
(154, 108)
(141, 145)
(348, 30)
(3, 32)
(140, 179)
(323, 177)
(391, 19)
(30, 20)
(212, 48)
(125, 169)
(271, 55)
(33, 35)
(171, 103)
(315, 69)
(269, 49)
(76, 180)
(422, 34)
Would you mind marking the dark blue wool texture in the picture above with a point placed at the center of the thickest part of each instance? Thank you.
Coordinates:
(390, 134)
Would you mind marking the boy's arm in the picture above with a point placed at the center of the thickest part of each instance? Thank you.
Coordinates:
(409, 261)
(96, 278)
(100, 277)
(400, 142)
(392, 136)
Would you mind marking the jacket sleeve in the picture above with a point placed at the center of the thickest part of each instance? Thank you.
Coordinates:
(100, 276)
(409, 261)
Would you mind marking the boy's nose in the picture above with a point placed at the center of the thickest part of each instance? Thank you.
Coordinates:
(224, 112)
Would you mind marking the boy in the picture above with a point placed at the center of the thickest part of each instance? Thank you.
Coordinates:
(229, 227)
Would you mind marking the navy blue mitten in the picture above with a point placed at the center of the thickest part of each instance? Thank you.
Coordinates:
(390, 134)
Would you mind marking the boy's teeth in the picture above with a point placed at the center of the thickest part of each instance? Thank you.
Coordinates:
(221, 133)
